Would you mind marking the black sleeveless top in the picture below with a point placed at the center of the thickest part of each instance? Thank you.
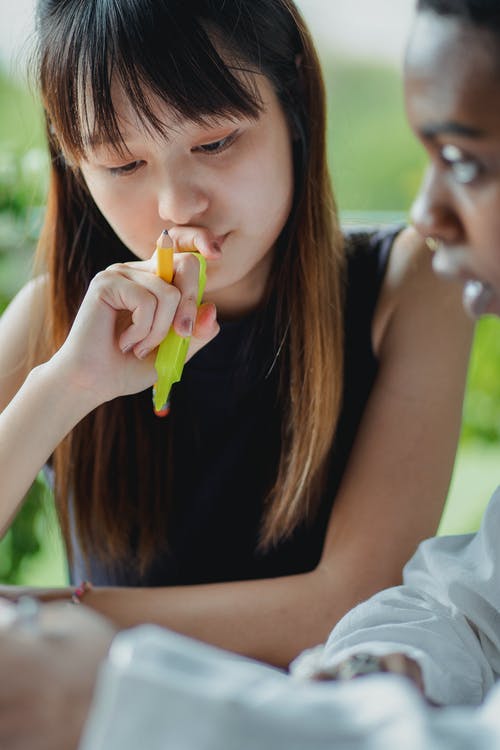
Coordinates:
(227, 445)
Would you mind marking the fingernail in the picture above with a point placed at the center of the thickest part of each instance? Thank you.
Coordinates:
(143, 353)
(187, 326)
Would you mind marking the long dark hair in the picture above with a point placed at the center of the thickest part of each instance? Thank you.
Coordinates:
(199, 57)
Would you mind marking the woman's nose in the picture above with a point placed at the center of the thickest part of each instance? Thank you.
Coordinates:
(433, 213)
(181, 200)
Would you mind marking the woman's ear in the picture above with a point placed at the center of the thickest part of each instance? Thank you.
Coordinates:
(64, 159)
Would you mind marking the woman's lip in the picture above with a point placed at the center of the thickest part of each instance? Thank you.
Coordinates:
(221, 238)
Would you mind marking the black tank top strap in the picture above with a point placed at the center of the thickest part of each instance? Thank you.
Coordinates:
(367, 255)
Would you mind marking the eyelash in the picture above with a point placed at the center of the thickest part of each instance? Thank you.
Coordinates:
(209, 149)
(126, 169)
(221, 145)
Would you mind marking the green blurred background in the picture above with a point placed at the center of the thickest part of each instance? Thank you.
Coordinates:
(376, 167)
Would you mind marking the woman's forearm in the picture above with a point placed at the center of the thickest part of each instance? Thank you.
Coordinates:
(271, 620)
(40, 415)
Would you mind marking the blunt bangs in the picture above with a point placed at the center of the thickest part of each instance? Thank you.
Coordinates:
(88, 50)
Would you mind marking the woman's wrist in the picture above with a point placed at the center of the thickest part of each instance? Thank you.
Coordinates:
(57, 386)
(44, 410)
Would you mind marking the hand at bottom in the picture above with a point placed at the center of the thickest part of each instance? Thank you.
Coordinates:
(48, 672)
(361, 664)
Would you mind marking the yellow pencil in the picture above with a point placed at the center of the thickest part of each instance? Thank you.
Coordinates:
(173, 349)
(165, 257)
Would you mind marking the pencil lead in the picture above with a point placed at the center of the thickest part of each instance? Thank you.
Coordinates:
(164, 240)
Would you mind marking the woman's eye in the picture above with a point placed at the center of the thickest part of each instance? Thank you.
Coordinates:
(125, 169)
(465, 169)
(216, 147)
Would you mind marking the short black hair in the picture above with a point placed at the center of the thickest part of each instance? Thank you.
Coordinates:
(477, 12)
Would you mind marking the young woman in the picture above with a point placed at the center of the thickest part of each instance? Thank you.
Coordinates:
(311, 439)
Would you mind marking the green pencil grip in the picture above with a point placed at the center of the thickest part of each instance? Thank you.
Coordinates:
(172, 351)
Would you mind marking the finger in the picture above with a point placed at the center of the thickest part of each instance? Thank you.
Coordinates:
(150, 301)
(138, 275)
(198, 240)
(404, 665)
(120, 294)
(395, 663)
(206, 325)
(187, 275)
(206, 328)
(176, 303)
(142, 266)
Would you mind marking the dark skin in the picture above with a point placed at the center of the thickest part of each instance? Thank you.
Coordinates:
(453, 106)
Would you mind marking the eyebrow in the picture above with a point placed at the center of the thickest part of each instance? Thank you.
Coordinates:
(450, 128)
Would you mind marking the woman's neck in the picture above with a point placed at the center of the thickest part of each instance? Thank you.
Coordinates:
(243, 297)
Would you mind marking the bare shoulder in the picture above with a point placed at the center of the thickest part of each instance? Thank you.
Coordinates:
(21, 326)
(27, 305)
(414, 300)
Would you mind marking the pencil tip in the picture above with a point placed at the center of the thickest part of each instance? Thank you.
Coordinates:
(164, 240)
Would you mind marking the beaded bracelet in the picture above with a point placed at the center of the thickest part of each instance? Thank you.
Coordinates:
(80, 591)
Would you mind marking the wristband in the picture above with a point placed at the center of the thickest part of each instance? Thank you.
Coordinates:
(80, 591)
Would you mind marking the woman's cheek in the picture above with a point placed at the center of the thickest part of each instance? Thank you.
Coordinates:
(131, 221)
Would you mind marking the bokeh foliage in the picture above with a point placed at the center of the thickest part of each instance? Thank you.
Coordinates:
(375, 162)
(376, 166)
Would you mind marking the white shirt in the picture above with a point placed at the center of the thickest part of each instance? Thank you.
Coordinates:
(446, 616)
(162, 691)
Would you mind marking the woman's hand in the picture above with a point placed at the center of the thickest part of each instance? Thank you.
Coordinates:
(48, 675)
(125, 315)
(360, 664)
(109, 352)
